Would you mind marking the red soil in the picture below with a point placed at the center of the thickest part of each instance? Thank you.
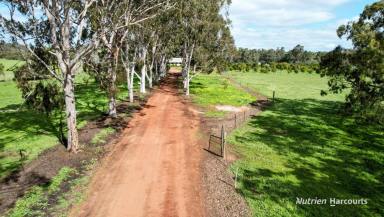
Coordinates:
(154, 169)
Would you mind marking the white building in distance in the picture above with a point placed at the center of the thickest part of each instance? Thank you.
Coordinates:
(176, 61)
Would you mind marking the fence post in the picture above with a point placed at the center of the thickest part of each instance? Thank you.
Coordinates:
(223, 142)
(235, 121)
(237, 171)
(273, 97)
(244, 116)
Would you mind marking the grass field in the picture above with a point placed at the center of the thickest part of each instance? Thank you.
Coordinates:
(287, 85)
(303, 147)
(8, 66)
(211, 90)
(30, 132)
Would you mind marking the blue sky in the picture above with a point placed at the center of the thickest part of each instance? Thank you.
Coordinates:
(286, 23)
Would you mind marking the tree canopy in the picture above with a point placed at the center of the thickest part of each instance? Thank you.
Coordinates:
(360, 70)
(110, 39)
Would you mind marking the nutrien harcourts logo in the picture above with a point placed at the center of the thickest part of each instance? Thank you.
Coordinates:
(330, 201)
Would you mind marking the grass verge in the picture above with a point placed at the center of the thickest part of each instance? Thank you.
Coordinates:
(35, 201)
(101, 136)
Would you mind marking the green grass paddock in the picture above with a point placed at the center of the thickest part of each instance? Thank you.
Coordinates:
(213, 89)
(8, 66)
(303, 146)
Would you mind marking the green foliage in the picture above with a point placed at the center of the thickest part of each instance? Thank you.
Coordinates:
(274, 67)
(35, 201)
(74, 196)
(76, 193)
(101, 136)
(298, 55)
(211, 90)
(56, 181)
(303, 146)
(361, 69)
(31, 204)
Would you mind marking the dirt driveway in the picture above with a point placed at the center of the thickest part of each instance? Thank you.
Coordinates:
(154, 169)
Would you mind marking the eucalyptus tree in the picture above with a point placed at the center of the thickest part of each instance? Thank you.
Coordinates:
(202, 25)
(116, 19)
(62, 28)
(216, 47)
(360, 70)
(128, 60)
(165, 43)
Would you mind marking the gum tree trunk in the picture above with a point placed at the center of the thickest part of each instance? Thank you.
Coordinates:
(130, 86)
(153, 58)
(112, 86)
(163, 67)
(70, 110)
(187, 69)
(143, 58)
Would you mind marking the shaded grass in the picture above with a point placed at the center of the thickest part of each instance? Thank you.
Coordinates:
(213, 89)
(24, 133)
(304, 147)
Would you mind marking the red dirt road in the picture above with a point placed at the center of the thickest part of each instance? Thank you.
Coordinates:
(154, 169)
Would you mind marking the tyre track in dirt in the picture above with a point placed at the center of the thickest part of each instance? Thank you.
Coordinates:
(154, 168)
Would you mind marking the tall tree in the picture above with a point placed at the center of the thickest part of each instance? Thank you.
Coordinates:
(60, 26)
(361, 69)
(202, 26)
(116, 19)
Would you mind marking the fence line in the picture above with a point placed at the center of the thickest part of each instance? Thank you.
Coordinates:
(217, 144)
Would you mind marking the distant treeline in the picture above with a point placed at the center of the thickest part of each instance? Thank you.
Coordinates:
(11, 51)
(274, 66)
(263, 60)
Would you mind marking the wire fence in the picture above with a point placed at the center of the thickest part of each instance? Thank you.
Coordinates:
(217, 139)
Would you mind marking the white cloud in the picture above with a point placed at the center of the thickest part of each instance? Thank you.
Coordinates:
(277, 23)
(323, 39)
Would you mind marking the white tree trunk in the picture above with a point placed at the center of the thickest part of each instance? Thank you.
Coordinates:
(150, 79)
(143, 69)
(112, 91)
(187, 69)
(163, 67)
(157, 75)
(130, 87)
(70, 110)
(154, 49)
(185, 72)
(187, 84)
(142, 83)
